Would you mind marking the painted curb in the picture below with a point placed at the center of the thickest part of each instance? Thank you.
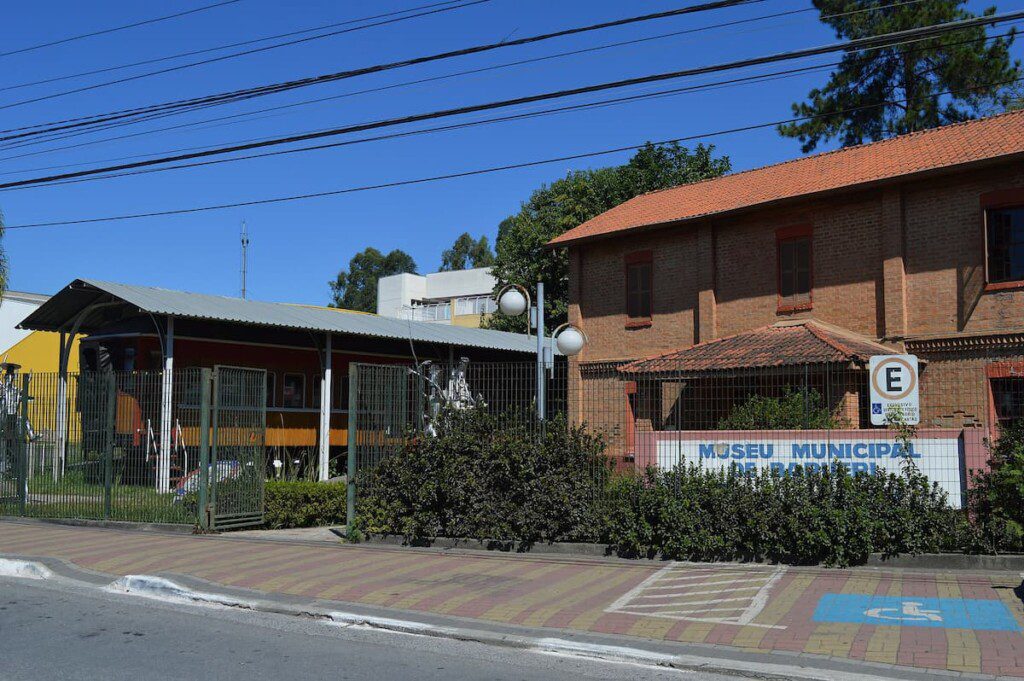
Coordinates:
(24, 569)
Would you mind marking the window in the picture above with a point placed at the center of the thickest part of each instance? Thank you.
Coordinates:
(1008, 399)
(1004, 244)
(271, 389)
(794, 246)
(639, 288)
(341, 391)
(293, 393)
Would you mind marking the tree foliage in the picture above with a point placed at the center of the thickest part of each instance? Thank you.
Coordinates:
(522, 257)
(908, 77)
(356, 287)
(467, 253)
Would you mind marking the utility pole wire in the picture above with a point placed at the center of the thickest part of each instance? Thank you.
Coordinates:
(266, 48)
(273, 88)
(116, 28)
(478, 171)
(558, 55)
(228, 46)
(871, 42)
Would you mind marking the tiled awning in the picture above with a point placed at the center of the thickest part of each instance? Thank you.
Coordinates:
(778, 345)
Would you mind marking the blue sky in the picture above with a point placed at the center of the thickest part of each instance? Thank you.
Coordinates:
(296, 247)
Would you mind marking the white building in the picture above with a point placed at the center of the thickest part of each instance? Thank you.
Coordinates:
(461, 297)
(15, 306)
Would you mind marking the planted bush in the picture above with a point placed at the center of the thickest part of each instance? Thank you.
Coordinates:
(825, 516)
(483, 476)
(304, 504)
(794, 410)
(997, 498)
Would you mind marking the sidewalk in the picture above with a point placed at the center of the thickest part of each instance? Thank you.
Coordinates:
(955, 621)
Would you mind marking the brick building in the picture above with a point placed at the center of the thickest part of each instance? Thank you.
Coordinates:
(805, 268)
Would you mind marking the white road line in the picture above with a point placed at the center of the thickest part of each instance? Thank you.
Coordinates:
(728, 581)
(675, 594)
(761, 598)
(707, 602)
(628, 596)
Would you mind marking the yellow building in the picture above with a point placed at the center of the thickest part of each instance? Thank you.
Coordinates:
(35, 351)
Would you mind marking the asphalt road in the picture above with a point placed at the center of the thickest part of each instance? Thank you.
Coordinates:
(50, 630)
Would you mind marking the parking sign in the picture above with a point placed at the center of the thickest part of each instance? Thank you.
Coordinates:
(893, 385)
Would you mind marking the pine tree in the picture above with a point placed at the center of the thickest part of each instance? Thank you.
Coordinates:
(979, 73)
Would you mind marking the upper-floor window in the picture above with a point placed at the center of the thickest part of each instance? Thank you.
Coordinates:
(271, 389)
(639, 287)
(794, 253)
(1004, 244)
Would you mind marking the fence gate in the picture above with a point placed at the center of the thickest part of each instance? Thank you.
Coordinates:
(232, 435)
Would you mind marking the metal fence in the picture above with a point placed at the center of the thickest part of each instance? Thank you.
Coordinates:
(89, 445)
(766, 418)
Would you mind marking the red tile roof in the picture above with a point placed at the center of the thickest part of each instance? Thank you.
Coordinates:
(781, 344)
(940, 148)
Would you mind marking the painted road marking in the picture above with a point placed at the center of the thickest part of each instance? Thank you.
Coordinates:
(914, 611)
(679, 591)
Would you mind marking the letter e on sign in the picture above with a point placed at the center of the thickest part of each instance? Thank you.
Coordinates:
(893, 384)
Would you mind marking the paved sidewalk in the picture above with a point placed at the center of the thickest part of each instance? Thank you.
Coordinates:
(967, 622)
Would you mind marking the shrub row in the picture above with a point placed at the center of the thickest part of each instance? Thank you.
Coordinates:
(484, 477)
(303, 504)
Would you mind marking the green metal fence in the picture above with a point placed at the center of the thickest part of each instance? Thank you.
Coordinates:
(90, 445)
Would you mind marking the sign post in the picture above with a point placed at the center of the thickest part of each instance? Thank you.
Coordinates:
(893, 386)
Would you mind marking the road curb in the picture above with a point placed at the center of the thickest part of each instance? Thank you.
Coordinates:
(929, 561)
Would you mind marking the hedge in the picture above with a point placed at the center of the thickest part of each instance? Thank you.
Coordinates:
(304, 504)
(486, 477)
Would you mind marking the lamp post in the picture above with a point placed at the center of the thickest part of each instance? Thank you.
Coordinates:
(514, 300)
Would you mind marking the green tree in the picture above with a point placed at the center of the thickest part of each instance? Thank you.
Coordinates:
(356, 287)
(908, 77)
(466, 253)
(522, 257)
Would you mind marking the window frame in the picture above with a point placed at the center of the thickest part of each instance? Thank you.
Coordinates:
(302, 391)
(1004, 198)
(784, 305)
(639, 258)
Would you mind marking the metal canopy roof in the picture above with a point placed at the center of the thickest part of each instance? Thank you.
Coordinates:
(60, 313)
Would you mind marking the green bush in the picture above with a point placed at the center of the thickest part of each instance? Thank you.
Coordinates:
(997, 498)
(795, 410)
(483, 476)
(825, 516)
(304, 504)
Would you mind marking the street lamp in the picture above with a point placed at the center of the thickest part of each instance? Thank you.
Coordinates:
(514, 300)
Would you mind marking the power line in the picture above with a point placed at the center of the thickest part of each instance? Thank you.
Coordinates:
(273, 88)
(757, 78)
(228, 46)
(190, 124)
(871, 42)
(692, 88)
(116, 28)
(460, 126)
(475, 172)
(75, 133)
(180, 67)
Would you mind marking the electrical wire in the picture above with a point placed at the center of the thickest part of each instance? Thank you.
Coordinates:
(274, 88)
(105, 31)
(76, 133)
(872, 42)
(474, 172)
(228, 46)
(234, 55)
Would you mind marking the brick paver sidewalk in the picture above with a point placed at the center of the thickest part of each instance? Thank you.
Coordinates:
(951, 620)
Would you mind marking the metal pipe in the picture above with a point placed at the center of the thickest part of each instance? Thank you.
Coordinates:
(163, 483)
(325, 412)
(540, 351)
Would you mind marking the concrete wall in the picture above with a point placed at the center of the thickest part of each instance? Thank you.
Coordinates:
(14, 307)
